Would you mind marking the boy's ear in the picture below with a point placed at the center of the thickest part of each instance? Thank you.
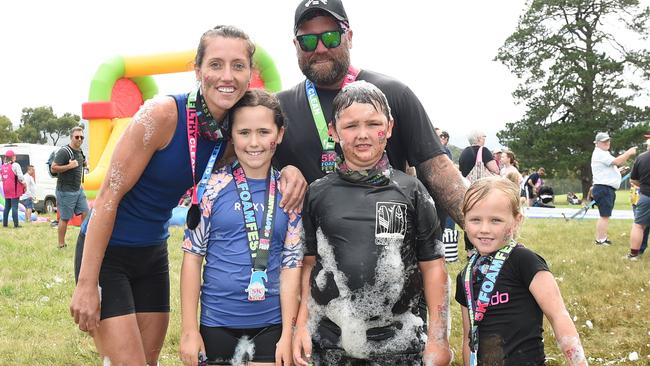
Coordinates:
(331, 130)
(389, 130)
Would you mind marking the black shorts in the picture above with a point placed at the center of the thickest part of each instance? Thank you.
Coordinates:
(221, 344)
(326, 350)
(337, 357)
(133, 279)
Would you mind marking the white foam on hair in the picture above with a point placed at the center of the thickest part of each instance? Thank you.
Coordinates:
(369, 307)
(363, 86)
(144, 118)
(244, 351)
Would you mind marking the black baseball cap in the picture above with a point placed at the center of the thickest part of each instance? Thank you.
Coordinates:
(333, 7)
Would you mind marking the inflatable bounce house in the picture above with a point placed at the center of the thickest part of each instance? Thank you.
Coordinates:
(121, 85)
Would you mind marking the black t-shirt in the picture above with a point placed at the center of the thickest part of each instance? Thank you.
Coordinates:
(511, 332)
(533, 178)
(70, 180)
(413, 138)
(641, 172)
(368, 241)
(467, 158)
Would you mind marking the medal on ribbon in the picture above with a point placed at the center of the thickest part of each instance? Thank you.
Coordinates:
(256, 288)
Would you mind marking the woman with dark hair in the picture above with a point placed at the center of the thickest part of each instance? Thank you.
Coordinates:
(510, 165)
(172, 144)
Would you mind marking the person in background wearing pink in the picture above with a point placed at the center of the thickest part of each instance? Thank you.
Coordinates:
(13, 187)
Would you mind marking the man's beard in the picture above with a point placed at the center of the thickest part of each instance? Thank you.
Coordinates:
(326, 76)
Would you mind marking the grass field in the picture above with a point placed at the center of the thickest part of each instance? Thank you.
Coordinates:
(36, 283)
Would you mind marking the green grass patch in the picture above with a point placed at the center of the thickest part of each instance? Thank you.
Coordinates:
(36, 284)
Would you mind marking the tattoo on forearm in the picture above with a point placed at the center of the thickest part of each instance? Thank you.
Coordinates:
(444, 183)
(293, 321)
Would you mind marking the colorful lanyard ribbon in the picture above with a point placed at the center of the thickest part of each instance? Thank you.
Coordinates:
(259, 239)
(478, 308)
(328, 158)
(192, 139)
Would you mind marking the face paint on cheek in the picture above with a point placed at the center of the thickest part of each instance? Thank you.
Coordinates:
(206, 81)
(381, 135)
(274, 146)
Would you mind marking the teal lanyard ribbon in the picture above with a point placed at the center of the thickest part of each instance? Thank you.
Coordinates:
(259, 239)
(317, 111)
(326, 140)
(477, 308)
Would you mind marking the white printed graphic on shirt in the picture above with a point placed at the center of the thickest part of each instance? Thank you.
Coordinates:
(390, 221)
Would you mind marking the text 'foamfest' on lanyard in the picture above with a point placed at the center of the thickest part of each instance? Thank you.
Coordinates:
(192, 140)
(477, 308)
(328, 156)
(259, 241)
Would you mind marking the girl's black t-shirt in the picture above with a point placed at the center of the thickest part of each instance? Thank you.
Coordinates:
(511, 332)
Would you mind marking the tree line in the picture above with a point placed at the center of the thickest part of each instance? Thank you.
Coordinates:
(580, 73)
(38, 126)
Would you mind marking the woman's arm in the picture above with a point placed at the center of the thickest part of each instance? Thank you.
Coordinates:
(191, 342)
(492, 166)
(150, 130)
(547, 294)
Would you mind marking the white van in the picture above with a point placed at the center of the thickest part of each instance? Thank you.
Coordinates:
(36, 155)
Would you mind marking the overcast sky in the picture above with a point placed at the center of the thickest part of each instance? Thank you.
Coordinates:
(442, 49)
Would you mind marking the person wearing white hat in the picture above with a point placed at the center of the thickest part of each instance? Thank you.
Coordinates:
(606, 180)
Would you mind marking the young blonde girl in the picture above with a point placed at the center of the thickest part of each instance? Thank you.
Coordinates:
(509, 286)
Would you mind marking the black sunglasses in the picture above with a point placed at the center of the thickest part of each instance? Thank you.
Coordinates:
(330, 39)
(78, 137)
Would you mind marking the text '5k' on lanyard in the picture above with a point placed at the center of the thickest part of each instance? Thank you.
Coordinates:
(478, 307)
(192, 139)
(259, 239)
(328, 156)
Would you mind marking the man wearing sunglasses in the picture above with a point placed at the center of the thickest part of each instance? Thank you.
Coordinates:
(323, 39)
(69, 164)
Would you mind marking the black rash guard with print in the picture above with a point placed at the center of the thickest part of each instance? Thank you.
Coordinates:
(368, 241)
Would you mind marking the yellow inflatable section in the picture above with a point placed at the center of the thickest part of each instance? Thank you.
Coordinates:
(122, 84)
(95, 178)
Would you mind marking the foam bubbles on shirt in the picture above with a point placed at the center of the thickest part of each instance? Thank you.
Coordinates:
(370, 306)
